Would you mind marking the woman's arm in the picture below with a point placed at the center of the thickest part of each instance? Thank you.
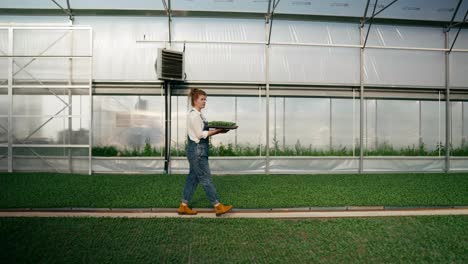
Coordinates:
(195, 124)
(216, 131)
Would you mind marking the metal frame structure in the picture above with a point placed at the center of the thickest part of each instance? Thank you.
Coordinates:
(45, 88)
(274, 89)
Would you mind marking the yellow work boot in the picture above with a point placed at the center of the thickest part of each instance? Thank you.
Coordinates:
(185, 210)
(222, 209)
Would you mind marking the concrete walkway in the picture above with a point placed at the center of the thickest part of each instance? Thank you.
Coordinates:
(308, 212)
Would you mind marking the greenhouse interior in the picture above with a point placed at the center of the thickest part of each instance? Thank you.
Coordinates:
(315, 86)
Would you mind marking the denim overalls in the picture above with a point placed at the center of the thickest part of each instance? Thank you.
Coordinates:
(197, 155)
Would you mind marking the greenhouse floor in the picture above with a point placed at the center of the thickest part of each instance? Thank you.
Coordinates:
(310, 212)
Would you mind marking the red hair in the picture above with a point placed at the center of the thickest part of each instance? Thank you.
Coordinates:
(195, 93)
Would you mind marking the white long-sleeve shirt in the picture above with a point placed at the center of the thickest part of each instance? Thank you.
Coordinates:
(195, 126)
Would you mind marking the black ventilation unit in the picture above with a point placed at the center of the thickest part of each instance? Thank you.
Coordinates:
(170, 65)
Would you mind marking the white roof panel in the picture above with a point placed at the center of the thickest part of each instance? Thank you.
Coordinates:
(428, 10)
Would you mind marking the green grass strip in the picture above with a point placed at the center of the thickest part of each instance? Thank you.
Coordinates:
(42, 190)
(431, 239)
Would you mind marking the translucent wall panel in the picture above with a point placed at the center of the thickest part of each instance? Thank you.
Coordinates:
(48, 130)
(126, 165)
(35, 19)
(395, 124)
(404, 36)
(407, 128)
(3, 41)
(459, 60)
(51, 159)
(247, 140)
(3, 72)
(418, 9)
(251, 133)
(117, 54)
(28, 4)
(225, 62)
(459, 163)
(313, 165)
(403, 67)
(128, 123)
(180, 107)
(258, 6)
(86, 4)
(51, 71)
(319, 65)
(50, 104)
(118, 4)
(459, 132)
(404, 164)
(433, 125)
(307, 124)
(293, 31)
(3, 130)
(462, 39)
(458, 69)
(224, 165)
(277, 126)
(47, 42)
(218, 29)
(4, 102)
(327, 7)
(465, 123)
(345, 126)
(3, 159)
(315, 133)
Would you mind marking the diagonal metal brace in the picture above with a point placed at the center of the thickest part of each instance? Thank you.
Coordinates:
(33, 152)
(458, 32)
(67, 11)
(370, 25)
(45, 123)
(371, 19)
(380, 11)
(269, 17)
(40, 54)
(450, 25)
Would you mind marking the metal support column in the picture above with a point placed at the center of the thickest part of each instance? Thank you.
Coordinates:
(267, 79)
(235, 120)
(448, 112)
(69, 140)
(420, 125)
(284, 123)
(268, 23)
(90, 83)
(167, 7)
(361, 108)
(275, 137)
(331, 125)
(463, 124)
(10, 100)
(167, 113)
(70, 101)
(376, 128)
(177, 125)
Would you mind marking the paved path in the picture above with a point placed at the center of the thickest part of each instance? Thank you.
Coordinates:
(237, 213)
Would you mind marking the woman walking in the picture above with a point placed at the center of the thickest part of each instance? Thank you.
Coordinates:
(197, 155)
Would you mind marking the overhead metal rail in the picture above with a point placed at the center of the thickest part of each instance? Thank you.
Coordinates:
(267, 88)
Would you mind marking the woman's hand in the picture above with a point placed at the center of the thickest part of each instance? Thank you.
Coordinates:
(217, 131)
